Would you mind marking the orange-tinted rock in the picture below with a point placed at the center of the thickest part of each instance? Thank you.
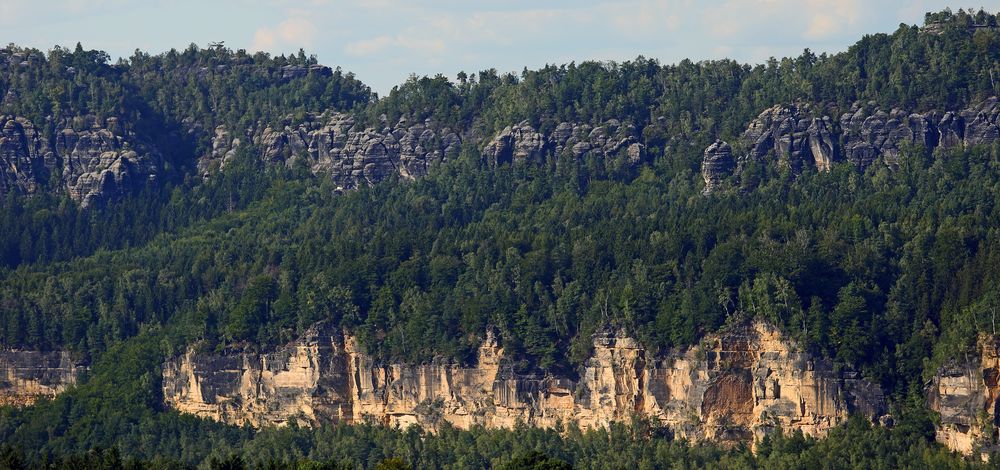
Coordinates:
(26, 376)
(736, 386)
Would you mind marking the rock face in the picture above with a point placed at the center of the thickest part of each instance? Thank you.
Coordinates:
(880, 135)
(796, 137)
(26, 376)
(793, 136)
(351, 154)
(717, 164)
(736, 386)
(26, 161)
(93, 161)
(522, 143)
(967, 394)
(99, 162)
(332, 143)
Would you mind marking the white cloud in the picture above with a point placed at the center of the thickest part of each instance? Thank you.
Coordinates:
(11, 11)
(645, 17)
(367, 47)
(293, 32)
(403, 42)
(443, 33)
(830, 17)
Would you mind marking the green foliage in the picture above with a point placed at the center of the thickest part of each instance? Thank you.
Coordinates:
(890, 272)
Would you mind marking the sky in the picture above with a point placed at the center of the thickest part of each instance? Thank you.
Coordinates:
(385, 41)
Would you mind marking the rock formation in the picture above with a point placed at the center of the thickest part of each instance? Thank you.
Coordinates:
(521, 143)
(96, 161)
(735, 386)
(350, 154)
(717, 164)
(26, 161)
(26, 376)
(796, 137)
(880, 135)
(792, 136)
(966, 394)
(99, 161)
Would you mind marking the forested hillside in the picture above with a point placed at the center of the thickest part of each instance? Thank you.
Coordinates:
(199, 239)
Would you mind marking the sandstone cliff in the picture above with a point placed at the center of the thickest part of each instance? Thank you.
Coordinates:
(522, 143)
(334, 144)
(736, 386)
(796, 137)
(93, 161)
(717, 164)
(351, 154)
(26, 376)
(966, 394)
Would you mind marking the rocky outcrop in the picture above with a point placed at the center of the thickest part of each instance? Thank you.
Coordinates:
(333, 143)
(522, 143)
(734, 386)
(99, 161)
(868, 137)
(26, 162)
(792, 136)
(26, 376)
(966, 395)
(982, 123)
(351, 154)
(796, 137)
(92, 161)
(717, 165)
(515, 143)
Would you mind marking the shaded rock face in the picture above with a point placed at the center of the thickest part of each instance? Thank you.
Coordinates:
(735, 387)
(26, 161)
(99, 163)
(793, 136)
(796, 137)
(26, 376)
(868, 138)
(352, 155)
(966, 395)
(982, 123)
(95, 161)
(522, 143)
(717, 165)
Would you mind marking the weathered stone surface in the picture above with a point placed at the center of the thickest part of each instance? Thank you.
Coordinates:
(518, 143)
(795, 137)
(717, 164)
(523, 143)
(332, 143)
(982, 123)
(26, 161)
(97, 161)
(100, 163)
(868, 137)
(736, 386)
(26, 376)
(966, 395)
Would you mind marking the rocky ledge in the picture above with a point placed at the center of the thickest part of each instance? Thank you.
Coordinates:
(522, 143)
(26, 376)
(797, 137)
(334, 144)
(92, 160)
(966, 394)
(733, 387)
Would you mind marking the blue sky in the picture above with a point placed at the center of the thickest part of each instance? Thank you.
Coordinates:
(384, 41)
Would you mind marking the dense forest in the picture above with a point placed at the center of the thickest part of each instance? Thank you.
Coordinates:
(889, 270)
